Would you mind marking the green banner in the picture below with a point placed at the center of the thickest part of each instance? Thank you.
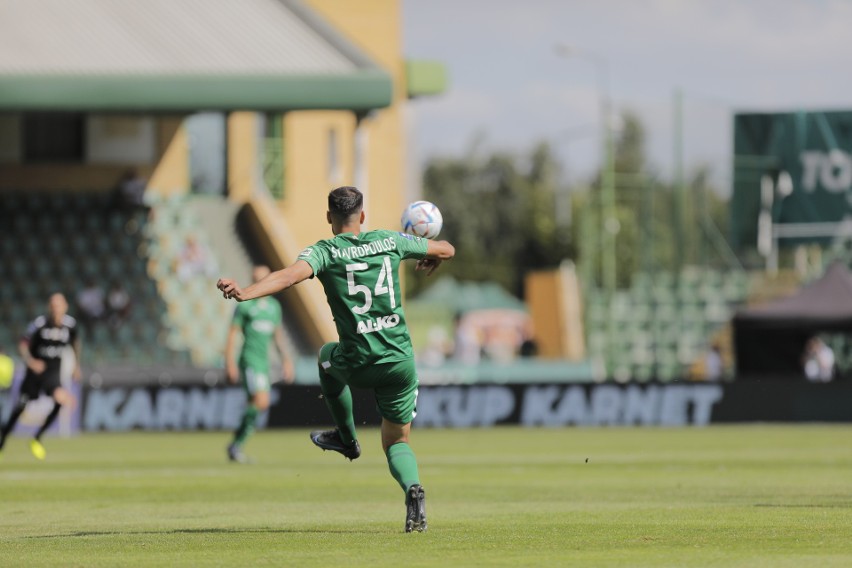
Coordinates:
(795, 167)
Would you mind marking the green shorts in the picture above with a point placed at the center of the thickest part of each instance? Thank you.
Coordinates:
(254, 380)
(393, 384)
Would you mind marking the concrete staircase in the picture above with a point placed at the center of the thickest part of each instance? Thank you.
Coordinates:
(198, 317)
(217, 219)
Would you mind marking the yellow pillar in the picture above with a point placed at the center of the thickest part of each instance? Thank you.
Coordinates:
(170, 175)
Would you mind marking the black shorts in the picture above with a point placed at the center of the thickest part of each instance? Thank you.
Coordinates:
(35, 384)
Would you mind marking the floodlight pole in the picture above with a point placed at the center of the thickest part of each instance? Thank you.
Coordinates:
(608, 204)
(679, 193)
(609, 226)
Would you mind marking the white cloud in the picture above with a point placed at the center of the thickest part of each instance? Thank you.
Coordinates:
(726, 55)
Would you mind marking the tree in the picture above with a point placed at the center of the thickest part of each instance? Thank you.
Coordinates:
(501, 213)
(648, 239)
(509, 214)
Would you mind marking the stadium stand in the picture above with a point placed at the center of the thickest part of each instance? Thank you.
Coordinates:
(664, 323)
(56, 241)
(655, 330)
(195, 318)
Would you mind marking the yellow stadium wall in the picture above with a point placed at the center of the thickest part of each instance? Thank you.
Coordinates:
(308, 173)
(553, 298)
(171, 174)
(374, 26)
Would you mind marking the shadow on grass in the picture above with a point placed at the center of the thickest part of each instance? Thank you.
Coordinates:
(839, 505)
(202, 532)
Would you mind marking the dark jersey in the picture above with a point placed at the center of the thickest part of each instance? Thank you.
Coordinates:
(48, 341)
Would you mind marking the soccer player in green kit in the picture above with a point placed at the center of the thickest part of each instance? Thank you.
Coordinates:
(359, 272)
(259, 322)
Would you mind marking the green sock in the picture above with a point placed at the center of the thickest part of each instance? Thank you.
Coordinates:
(340, 407)
(338, 399)
(403, 465)
(246, 425)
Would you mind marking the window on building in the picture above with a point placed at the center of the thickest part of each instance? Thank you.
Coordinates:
(273, 154)
(54, 137)
(333, 157)
(208, 152)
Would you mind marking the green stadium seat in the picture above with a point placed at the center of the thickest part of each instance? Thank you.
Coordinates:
(148, 333)
(181, 357)
(736, 286)
(93, 224)
(19, 268)
(56, 245)
(36, 202)
(11, 202)
(44, 269)
(101, 335)
(643, 372)
(45, 223)
(9, 246)
(597, 342)
(664, 314)
(116, 223)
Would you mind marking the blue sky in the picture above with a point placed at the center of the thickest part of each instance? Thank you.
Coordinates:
(508, 84)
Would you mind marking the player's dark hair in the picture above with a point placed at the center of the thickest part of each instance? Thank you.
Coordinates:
(345, 201)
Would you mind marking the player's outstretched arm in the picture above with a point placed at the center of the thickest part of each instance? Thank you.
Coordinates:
(440, 250)
(436, 253)
(270, 284)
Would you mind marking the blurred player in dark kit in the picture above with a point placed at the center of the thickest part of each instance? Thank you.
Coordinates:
(41, 348)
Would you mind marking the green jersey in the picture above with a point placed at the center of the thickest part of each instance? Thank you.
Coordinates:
(257, 319)
(360, 276)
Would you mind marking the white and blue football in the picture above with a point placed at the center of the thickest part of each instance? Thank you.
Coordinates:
(422, 218)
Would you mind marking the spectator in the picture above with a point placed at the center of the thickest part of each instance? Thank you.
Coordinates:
(467, 347)
(194, 260)
(118, 305)
(437, 348)
(818, 361)
(91, 305)
(529, 346)
(713, 363)
(130, 191)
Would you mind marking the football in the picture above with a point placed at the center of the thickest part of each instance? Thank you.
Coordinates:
(422, 218)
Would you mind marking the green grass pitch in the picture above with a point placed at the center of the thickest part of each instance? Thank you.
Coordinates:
(720, 496)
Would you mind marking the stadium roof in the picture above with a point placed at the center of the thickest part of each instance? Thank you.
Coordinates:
(825, 303)
(179, 55)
